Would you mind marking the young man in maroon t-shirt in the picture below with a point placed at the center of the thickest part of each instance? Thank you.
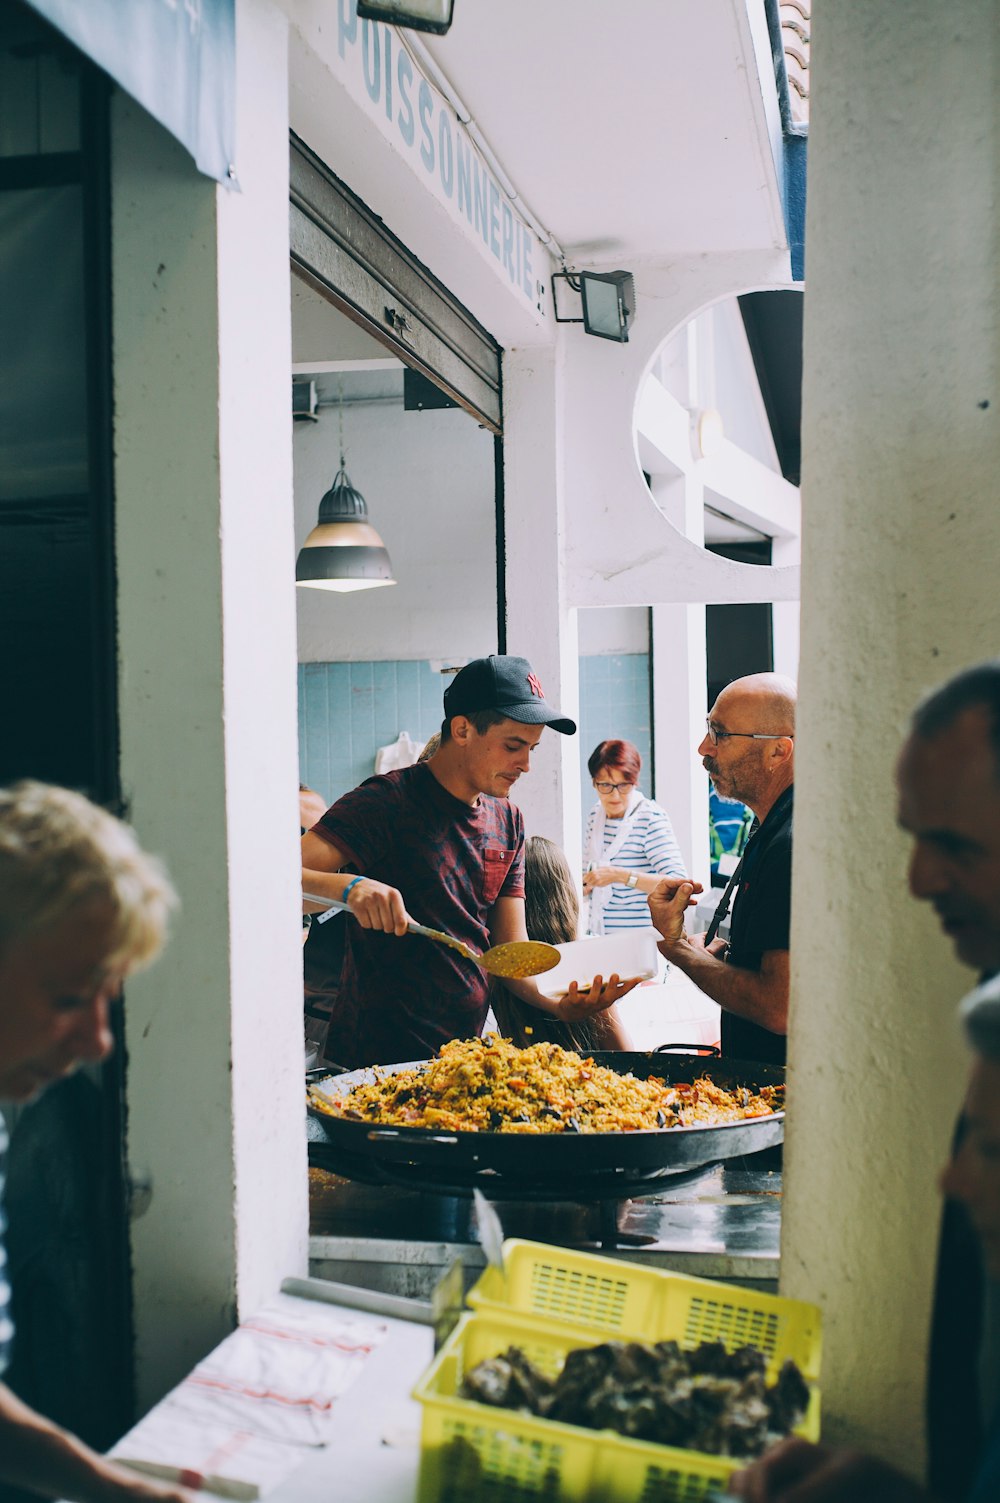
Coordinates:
(440, 843)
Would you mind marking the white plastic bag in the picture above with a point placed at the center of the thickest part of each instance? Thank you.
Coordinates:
(403, 752)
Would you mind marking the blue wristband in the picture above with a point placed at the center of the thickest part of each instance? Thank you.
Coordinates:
(353, 883)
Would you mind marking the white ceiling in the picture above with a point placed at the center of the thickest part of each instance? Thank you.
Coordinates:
(631, 130)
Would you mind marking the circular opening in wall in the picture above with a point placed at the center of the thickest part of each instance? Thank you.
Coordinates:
(724, 396)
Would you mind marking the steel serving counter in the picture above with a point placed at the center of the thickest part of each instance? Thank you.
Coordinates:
(720, 1222)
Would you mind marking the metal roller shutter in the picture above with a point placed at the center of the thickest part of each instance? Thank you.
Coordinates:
(347, 255)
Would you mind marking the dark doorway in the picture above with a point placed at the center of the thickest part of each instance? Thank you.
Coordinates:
(65, 1199)
(738, 638)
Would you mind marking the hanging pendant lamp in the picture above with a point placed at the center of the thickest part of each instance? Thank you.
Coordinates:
(343, 551)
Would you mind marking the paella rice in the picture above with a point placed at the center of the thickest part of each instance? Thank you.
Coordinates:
(490, 1085)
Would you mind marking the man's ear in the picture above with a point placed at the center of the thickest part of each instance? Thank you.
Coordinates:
(783, 748)
(461, 729)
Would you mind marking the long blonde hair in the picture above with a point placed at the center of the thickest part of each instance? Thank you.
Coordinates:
(551, 914)
(551, 901)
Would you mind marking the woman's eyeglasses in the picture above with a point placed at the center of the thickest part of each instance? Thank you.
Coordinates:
(613, 787)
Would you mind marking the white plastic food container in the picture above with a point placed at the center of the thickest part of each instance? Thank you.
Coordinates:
(631, 953)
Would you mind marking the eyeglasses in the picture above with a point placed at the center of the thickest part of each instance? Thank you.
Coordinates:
(612, 787)
(717, 734)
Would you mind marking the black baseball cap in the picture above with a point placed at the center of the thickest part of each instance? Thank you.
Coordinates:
(506, 684)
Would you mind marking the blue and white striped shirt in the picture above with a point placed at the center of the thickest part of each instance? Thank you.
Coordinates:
(6, 1324)
(650, 848)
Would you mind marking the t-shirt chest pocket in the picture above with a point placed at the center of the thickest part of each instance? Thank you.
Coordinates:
(496, 865)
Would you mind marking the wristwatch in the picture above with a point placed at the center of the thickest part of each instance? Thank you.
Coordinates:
(633, 879)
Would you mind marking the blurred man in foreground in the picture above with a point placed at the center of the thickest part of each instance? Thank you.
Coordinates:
(948, 778)
(81, 907)
(797, 1472)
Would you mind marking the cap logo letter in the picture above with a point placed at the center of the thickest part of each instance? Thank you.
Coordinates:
(535, 686)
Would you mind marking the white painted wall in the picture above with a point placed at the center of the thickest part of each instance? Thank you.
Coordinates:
(428, 478)
(680, 671)
(737, 394)
(614, 549)
(207, 703)
(620, 550)
(785, 614)
(541, 625)
(610, 633)
(705, 364)
(332, 113)
(901, 538)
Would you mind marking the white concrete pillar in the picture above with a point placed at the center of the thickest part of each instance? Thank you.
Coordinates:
(785, 613)
(679, 669)
(540, 625)
(679, 688)
(205, 562)
(901, 535)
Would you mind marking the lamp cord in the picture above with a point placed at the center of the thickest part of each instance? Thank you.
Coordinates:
(340, 413)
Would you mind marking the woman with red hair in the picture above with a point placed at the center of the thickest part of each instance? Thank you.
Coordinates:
(629, 844)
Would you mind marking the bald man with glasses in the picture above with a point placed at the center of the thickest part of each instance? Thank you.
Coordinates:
(748, 752)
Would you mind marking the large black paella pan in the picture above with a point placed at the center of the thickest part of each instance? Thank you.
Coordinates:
(563, 1164)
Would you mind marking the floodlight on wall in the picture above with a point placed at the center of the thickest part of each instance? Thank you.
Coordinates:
(607, 300)
(343, 552)
(417, 15)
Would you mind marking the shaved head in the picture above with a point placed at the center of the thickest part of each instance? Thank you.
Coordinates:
(771, 698)
(749, 750)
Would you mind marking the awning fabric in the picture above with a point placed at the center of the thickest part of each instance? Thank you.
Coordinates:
(178, 60)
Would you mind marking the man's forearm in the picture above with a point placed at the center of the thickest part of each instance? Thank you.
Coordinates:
(748, 994)
(38, 1455)
(324, 885)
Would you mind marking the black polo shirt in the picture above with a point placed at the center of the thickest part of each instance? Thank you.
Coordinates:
(761, 922)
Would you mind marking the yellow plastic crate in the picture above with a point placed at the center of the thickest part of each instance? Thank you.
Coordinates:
(472, 1450)
(608, 1297)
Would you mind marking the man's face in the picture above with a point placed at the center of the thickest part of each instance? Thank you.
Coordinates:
(949, 801)
(497, 758)
(735, 764)
(973, 1175)
(55, 992)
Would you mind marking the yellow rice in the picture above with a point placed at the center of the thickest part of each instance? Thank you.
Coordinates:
(490, 1085)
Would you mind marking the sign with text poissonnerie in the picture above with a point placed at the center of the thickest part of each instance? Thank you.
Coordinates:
(380, 73)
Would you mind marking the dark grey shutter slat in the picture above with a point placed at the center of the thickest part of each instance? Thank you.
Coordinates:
(349, 257)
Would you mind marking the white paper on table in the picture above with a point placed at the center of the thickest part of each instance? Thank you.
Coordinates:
(245, 1412)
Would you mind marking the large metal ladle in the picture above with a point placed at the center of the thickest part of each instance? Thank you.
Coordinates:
(516, 959)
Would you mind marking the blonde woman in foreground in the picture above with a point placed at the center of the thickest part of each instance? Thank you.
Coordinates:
(81, 907)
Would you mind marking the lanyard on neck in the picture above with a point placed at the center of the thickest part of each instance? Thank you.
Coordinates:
(727, 897)
(723, 906)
